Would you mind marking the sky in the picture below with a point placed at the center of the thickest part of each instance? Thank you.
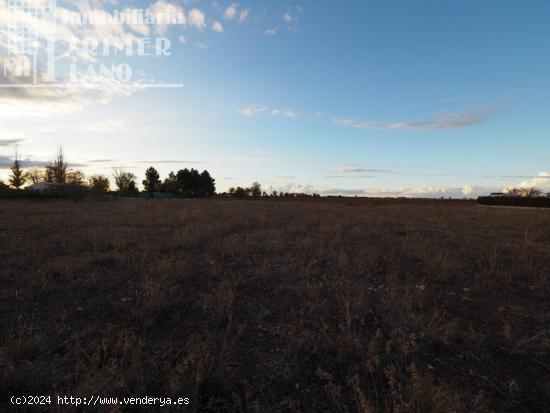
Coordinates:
(371, 98)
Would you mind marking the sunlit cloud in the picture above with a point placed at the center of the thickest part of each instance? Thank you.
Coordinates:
(465, 191)
(541, 181)
(197, 19)
(231, 11)
(217, 27)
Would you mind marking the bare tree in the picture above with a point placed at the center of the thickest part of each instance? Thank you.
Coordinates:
(125, 181)
(525, 192)
(76, 177)
(532, 192)
(17, 178)
(34, 175)
(56, 171)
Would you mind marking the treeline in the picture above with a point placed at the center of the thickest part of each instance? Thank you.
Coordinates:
(66, 181)
(538, 202)
(525, 197)
(255, 191)
(526, 193)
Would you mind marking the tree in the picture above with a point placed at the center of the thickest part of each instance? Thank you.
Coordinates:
(184, 179)
(525, 192)
(17, 178)
(151, 183)
(34, 175)
(75, 177)
(188, 182)
(99, 183)
(170, 184)
(239, 192)
(125, 181)
(532, 192)
(207, 184)
(56, 171)
(256, 190)
(3, 186)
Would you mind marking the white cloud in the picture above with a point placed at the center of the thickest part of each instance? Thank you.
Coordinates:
(250, 111)
(465, 191)
(46, 102)
(541, 182)
(164, 13)
(217, 27)
(271, 32)
(231, 11)
(131, 17)
(197, 18)
(254, 110)
(288, 18)
(287, 113)
(26, 103)
(243, 15)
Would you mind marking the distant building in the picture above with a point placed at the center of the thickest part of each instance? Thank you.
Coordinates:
(496, 194)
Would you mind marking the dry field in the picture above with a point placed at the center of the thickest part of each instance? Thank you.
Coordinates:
(266, 306)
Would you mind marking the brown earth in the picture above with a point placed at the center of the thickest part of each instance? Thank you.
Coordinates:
(346, 305)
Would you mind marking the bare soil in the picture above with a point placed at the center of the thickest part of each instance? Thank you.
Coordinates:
(342, 305)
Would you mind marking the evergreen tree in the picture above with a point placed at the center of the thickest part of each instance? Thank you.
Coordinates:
(207, 184)
(17, 177)
(151, 183)
(170, 184)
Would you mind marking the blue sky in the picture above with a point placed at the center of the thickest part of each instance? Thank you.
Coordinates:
(426, 98)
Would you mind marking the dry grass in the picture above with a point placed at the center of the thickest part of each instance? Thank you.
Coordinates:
(340, 306)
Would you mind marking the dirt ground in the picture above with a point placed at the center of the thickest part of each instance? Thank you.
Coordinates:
(343, 305)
